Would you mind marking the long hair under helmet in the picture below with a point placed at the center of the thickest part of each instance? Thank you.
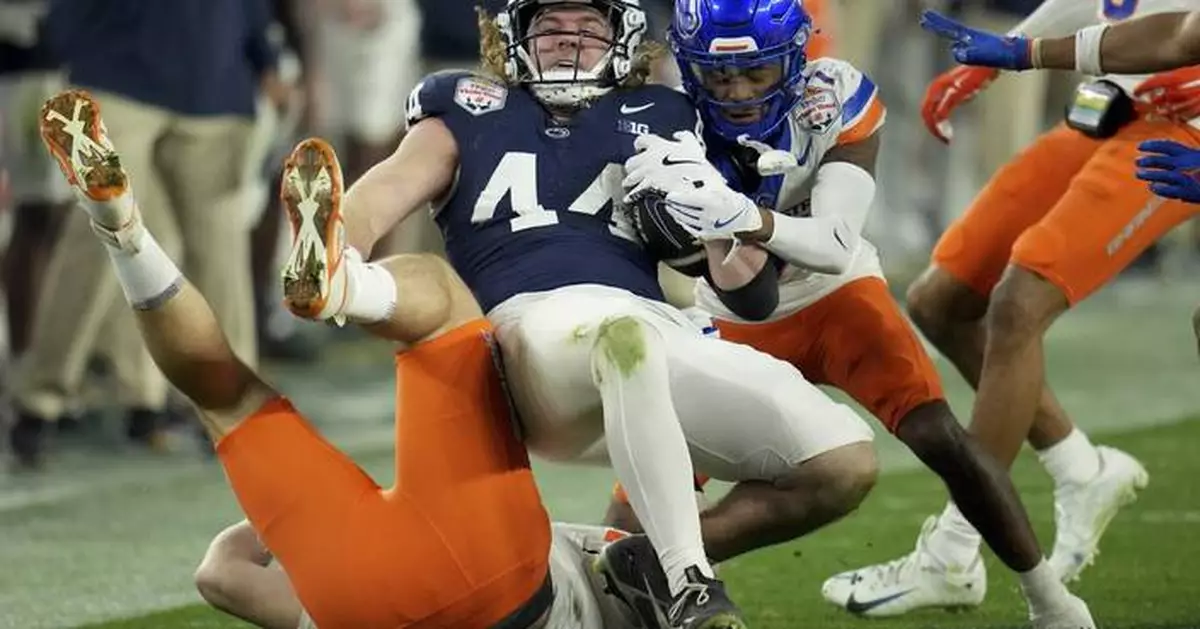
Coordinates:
(729, 36)
(570, 86)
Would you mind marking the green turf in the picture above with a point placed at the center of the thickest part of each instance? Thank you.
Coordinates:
(1144, 579)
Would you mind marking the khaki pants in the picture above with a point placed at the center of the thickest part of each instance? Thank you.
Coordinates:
(857, 30)
(1012, 109)
(186, 173)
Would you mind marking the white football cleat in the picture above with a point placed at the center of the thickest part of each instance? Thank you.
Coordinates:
(911, 582)
(314, 277)
(1072, 614)
(1082, 512)
(74, 133)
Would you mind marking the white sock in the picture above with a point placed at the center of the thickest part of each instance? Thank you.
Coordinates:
(954, 542)
(371, 290)
(1041, 587)
(646, 444)
(149, 278)
(1073, 460)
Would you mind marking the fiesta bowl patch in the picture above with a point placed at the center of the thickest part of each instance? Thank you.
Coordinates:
(479, 96)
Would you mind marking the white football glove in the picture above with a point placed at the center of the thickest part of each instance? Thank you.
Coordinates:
(713, 212)
(667, 165)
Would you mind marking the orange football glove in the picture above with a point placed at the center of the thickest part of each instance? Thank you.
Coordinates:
(949, 90)
(1174, 94)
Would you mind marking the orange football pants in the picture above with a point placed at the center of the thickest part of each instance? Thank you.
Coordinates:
(821, 43)
(460, 541)
(855, 339)
(1068, 208)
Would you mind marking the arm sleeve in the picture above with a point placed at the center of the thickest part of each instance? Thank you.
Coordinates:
(757, 299)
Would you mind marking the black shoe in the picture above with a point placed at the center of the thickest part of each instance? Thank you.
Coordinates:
(27, 438)
(69, 425)
(703, 604)
(632, 575)
(145, 428)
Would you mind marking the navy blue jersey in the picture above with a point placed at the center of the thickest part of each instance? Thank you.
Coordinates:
(537, 203)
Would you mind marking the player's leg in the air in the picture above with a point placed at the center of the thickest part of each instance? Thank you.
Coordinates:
(293, 485)
(956, 303)
(325, 279)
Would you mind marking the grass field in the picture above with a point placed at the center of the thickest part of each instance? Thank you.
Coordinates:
(1145, 579)
(108, 538)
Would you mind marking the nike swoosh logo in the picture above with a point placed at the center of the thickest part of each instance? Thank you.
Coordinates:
(838, 237)
(667, 161)
(861, 607)
(720, 224)
(659, 618)
(626, 109)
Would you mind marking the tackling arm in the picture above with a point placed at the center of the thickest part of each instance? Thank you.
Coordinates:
(421, 170)
(826, 240)
(744, 282)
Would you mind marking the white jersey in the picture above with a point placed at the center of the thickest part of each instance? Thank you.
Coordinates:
(840, 106)
(1060, 18)
(1112, 11)
(580, 601)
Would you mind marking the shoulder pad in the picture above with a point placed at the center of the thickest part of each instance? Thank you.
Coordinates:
(454, 91)
(838, 98)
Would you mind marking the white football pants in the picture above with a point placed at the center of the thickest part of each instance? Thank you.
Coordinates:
(745, 415)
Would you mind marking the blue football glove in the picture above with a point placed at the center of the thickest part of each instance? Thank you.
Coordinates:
(1171, 168)
(980, 48)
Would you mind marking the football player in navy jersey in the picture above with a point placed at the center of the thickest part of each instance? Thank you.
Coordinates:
(524, 171)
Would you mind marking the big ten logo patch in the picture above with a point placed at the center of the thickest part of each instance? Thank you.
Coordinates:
(632, 128)
(819, 109)
(479, 96)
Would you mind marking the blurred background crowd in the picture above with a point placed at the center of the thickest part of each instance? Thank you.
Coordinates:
(204, 97)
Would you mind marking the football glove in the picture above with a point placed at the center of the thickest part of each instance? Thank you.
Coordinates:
(1171, 168)
(974, 47)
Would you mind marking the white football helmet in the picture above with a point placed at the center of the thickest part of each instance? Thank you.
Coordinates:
(570, 86)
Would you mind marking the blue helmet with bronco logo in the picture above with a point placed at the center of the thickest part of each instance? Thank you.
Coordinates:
(742, 61)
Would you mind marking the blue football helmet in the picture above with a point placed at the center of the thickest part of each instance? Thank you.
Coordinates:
(742, 61)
